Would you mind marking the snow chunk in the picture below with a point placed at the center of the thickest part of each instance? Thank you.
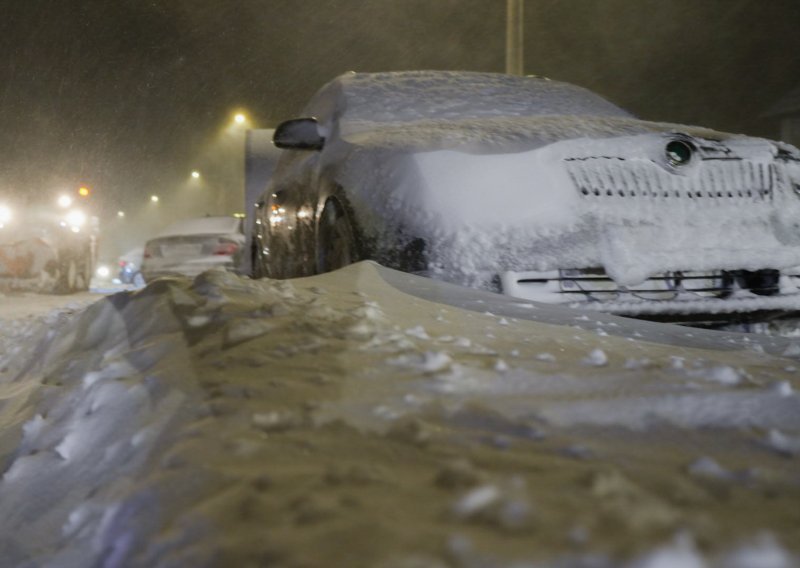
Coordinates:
(476, 500)
(597, 358)
(783, 443)
(637, 364)
(427, 362)
(764, 552)
(793, 350)
(708, 467)
(435, 361)
(275, 421)
(116, 370)
(782, 388)
(246, 329)
(198, 320)
(34, 426)
(418, 332)
(724, 375)
(680, 554)
(501, 366)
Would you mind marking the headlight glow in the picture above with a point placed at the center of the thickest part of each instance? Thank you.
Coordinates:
(5, 215)
(76, 219)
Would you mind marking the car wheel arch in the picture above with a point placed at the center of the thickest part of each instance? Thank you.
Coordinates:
(337, 203)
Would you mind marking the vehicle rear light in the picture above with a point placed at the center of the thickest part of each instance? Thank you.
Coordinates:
(226, 248)
(122, 263)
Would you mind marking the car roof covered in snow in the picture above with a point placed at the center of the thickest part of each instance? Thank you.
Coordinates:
(203, 226)
(418, 95)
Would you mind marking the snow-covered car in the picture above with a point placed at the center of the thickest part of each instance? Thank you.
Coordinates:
(192, 246)
(535, 188)
(130, 267)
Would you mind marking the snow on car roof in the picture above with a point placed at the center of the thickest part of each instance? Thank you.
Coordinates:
(203, 226)
(509, 133)
(417, 95)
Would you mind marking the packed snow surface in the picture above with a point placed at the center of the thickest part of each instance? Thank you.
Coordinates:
(371, 418)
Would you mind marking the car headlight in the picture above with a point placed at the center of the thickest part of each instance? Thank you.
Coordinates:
(76, 219)
(679, 152)
(5, 215)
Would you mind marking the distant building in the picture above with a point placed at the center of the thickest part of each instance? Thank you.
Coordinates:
(787, 112)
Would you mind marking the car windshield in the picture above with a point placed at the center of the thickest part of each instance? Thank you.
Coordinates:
(203, 226)
(420, 95)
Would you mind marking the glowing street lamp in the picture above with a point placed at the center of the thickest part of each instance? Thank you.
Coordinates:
(120, 214)
(196, 174)
(154, 198)
(239, 118)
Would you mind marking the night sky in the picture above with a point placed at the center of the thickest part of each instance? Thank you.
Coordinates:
(130, 95)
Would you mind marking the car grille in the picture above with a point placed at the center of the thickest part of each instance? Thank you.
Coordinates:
(609, 177)
(594, 284)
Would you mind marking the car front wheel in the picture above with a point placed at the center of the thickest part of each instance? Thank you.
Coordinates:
(336, 246)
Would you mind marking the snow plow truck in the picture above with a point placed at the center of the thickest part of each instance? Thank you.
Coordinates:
(48, 247)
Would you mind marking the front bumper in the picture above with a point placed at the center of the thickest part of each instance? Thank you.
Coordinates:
(669, 293)
(158, 268)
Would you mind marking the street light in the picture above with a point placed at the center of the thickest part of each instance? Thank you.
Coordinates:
(154, 198)
(196, 174)
(120, 214)
(514, 38)
(239, 118)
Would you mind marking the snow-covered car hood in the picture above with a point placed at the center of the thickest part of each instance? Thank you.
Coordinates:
(547, 192)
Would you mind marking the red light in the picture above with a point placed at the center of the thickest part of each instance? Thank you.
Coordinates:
(226, 249)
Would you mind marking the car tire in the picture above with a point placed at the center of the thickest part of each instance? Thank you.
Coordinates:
(49, 278)
(84, 279)
(336, 240)
(67, 281)
(256, 263)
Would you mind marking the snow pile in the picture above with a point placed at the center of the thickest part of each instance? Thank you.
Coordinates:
(229, 422)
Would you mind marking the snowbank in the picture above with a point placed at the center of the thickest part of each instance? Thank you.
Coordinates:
(372, 418)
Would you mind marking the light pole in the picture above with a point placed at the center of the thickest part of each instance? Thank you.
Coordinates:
(514, 38)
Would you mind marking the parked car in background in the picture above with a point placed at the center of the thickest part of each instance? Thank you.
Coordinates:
(192, 246)
(130, 267)
(534, 188)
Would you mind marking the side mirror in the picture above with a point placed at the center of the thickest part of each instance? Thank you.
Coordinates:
(298, 134)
